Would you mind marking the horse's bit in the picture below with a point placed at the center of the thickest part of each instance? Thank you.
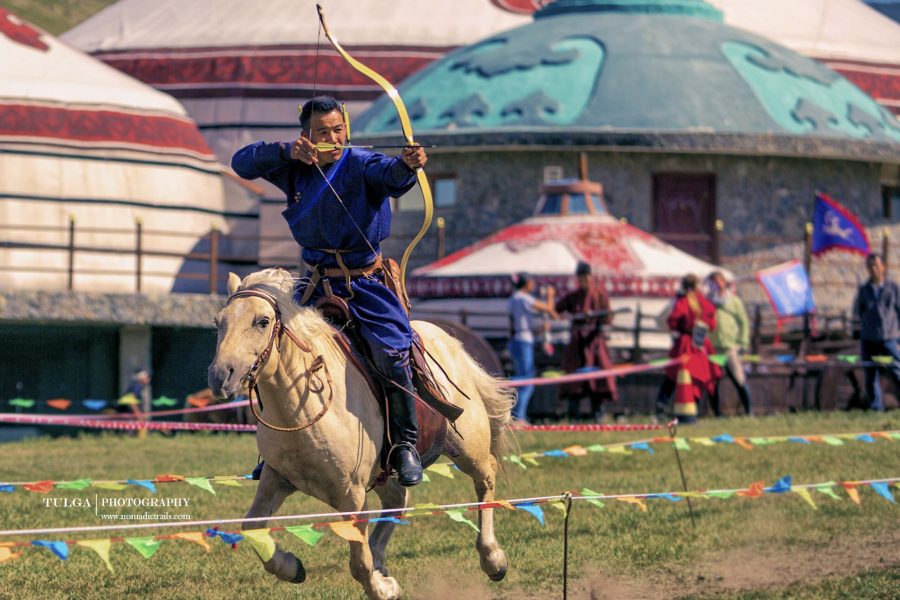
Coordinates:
(314, 367)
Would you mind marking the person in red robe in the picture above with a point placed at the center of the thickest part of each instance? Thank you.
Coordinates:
(589, 308)
(691, 319)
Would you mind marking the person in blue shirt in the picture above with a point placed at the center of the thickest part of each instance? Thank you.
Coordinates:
(523, 307)
(338, 210)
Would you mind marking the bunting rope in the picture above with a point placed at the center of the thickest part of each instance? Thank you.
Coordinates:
(344, 524)
(445, 469)
(93, 423)
(818, 360)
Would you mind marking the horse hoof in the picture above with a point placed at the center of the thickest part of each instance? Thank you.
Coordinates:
(499, 575)
(300, 575)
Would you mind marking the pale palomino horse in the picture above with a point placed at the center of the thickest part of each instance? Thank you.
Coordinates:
(306, 383)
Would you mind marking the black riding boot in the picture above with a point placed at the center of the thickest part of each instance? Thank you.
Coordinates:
(404, 435)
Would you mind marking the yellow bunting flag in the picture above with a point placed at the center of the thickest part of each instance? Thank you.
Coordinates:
(6, 554)
(128, 399)
(194, 536)
(226, 480)
(348, 531)
(576, 450)
(109, 485)
(442, 469)
(530, 459)
(560, 505)
(261, 541)
(639, 502)
(852, 492)
(703, 441)
(804, 493)
(101, 547)
(505, 504)
(425, 508)
(619, 450)
(833, 440)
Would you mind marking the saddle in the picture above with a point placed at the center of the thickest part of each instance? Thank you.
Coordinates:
(433, 410)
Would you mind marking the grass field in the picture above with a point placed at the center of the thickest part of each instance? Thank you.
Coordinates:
(55, 16)
(775, 546)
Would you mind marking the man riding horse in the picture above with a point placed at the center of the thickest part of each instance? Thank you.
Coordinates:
(338, 210)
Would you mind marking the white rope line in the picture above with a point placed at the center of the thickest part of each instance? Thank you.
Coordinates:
(420, 509)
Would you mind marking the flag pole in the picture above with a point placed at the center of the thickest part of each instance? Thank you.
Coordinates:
(885, 248)
(807, 264)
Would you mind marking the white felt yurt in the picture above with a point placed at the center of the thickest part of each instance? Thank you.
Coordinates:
(82, 142)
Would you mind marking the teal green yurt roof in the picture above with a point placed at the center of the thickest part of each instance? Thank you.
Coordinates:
(665, 73)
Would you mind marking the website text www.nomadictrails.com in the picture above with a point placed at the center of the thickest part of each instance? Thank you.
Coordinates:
(145, 517)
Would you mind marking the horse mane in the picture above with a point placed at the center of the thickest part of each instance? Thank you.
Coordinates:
(307, 323)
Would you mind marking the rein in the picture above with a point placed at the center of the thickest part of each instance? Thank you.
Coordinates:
(318, 364)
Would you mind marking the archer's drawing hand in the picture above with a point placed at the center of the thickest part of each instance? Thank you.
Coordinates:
(304, 150)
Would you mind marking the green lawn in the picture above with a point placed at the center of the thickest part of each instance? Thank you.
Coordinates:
(55, 16)
(652, 554)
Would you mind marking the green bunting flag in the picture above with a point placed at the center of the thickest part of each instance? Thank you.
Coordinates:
(594, 501)
(458, 515)
(164, 401)
(146, 546)
(724, 495)
(21, 402)
(306, 533)
(202, 483)
(78, 484)
(681, 444)
(719, 359)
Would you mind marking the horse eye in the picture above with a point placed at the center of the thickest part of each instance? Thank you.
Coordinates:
(263, 322)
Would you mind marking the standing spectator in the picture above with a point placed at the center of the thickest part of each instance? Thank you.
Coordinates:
(877, 306)
(691, 319)
(730, 337)
(523, 306)
(589, 307)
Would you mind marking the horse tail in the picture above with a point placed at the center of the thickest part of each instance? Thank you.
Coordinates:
(498, 401)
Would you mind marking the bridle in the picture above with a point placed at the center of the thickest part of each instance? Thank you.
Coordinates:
(317, 365)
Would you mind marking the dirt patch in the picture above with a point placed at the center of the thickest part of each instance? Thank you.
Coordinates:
(749, 569)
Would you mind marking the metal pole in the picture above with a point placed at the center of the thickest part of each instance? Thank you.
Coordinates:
(885, 248)
(213, 259)
(138, 251)
(717, 241)
(71, 268)
(636, 350)
(441, 237)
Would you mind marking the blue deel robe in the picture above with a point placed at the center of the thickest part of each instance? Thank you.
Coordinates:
(365, 181)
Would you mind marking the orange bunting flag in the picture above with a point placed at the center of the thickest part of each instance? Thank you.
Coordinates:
(101, 547)
(852, 492)
(194, 536)
(41, 487)
(575, 451)
(348, 531)
(816, 358)
(743, 443)
(7, 554)
(504, 504)
(198, 401)
(168, 478)
(755, 490)
(59, 403)
(639, 502)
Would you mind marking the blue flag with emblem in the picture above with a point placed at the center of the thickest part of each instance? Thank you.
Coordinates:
(787, 287)
(836, 228)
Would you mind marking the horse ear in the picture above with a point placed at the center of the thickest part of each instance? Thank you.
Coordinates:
(234, 282)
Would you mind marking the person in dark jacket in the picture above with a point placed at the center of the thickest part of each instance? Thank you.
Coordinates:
(339, 212)
(877, 305)
(590, 310)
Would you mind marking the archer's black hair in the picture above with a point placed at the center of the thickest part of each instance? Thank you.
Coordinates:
(319, 104)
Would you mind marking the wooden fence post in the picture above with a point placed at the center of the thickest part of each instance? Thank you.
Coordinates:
(636, 350)
(70, 283)
(213, 260)
(138, 252)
